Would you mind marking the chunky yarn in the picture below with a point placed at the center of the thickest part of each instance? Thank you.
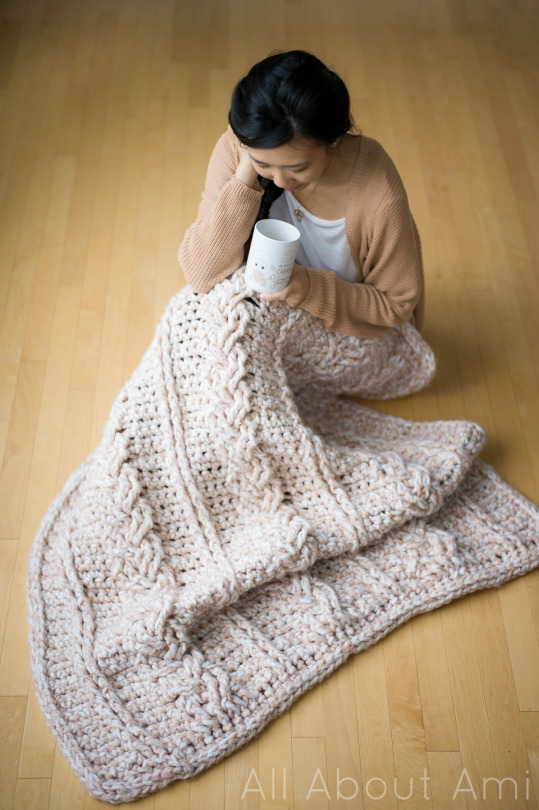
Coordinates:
(242, 529)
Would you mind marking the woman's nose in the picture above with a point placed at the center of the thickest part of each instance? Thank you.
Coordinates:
(281, 181)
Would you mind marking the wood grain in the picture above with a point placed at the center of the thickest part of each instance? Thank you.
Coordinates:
(109, 113)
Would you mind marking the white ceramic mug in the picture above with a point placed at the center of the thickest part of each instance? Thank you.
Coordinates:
(271, 255)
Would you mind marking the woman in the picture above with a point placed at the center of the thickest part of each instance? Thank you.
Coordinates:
(289, 153)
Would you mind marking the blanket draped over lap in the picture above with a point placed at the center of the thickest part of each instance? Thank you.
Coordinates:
(242, 529)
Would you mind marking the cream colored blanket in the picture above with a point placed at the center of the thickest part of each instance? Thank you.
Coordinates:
(242, 529)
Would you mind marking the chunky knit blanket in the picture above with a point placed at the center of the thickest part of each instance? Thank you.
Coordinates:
(242, 529)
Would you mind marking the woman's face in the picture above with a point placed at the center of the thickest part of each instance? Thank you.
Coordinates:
(293, 166)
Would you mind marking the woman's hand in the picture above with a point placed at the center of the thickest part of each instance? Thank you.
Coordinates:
(245, 172)
(297, 288)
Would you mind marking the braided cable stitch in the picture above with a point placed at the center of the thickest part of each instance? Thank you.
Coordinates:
(242, 529)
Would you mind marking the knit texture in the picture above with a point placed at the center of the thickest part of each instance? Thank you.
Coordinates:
(242, 529)
(383, 238)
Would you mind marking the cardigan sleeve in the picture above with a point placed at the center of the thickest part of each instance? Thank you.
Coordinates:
(392, 284)
(213, 246)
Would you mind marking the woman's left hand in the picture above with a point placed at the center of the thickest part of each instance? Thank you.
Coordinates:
(296, 290)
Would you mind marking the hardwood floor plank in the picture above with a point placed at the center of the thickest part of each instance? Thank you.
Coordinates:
(434, 680)
(12, 711)
(38, 745)
(31, 793)
(374, 728)
(18, 452)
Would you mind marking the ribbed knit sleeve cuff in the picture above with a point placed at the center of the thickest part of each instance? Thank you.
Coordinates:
(320, 298)
(244, 192)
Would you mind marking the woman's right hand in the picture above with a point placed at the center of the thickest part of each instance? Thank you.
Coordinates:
(245, 172)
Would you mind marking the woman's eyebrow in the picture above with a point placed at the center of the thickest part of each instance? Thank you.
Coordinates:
(289, 166)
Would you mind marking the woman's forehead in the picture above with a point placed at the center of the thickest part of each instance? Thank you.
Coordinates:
(294, 153)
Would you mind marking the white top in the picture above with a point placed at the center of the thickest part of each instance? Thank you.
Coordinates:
(323, 242)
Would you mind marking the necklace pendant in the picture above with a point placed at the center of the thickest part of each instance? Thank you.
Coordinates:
(298, 213)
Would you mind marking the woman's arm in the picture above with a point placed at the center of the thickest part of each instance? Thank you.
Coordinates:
(392, 288)
(213, 247)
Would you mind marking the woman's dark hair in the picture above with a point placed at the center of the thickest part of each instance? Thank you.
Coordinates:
(287, 95)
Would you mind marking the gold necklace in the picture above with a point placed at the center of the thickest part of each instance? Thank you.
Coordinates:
(298, 213)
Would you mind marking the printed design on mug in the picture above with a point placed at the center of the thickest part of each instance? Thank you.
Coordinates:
(281, 274)
(263, 271)
(261, 268)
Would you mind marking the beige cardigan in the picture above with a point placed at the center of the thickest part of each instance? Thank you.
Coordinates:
(380, 229)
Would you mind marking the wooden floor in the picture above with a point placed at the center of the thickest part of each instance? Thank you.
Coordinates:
(109, 110)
